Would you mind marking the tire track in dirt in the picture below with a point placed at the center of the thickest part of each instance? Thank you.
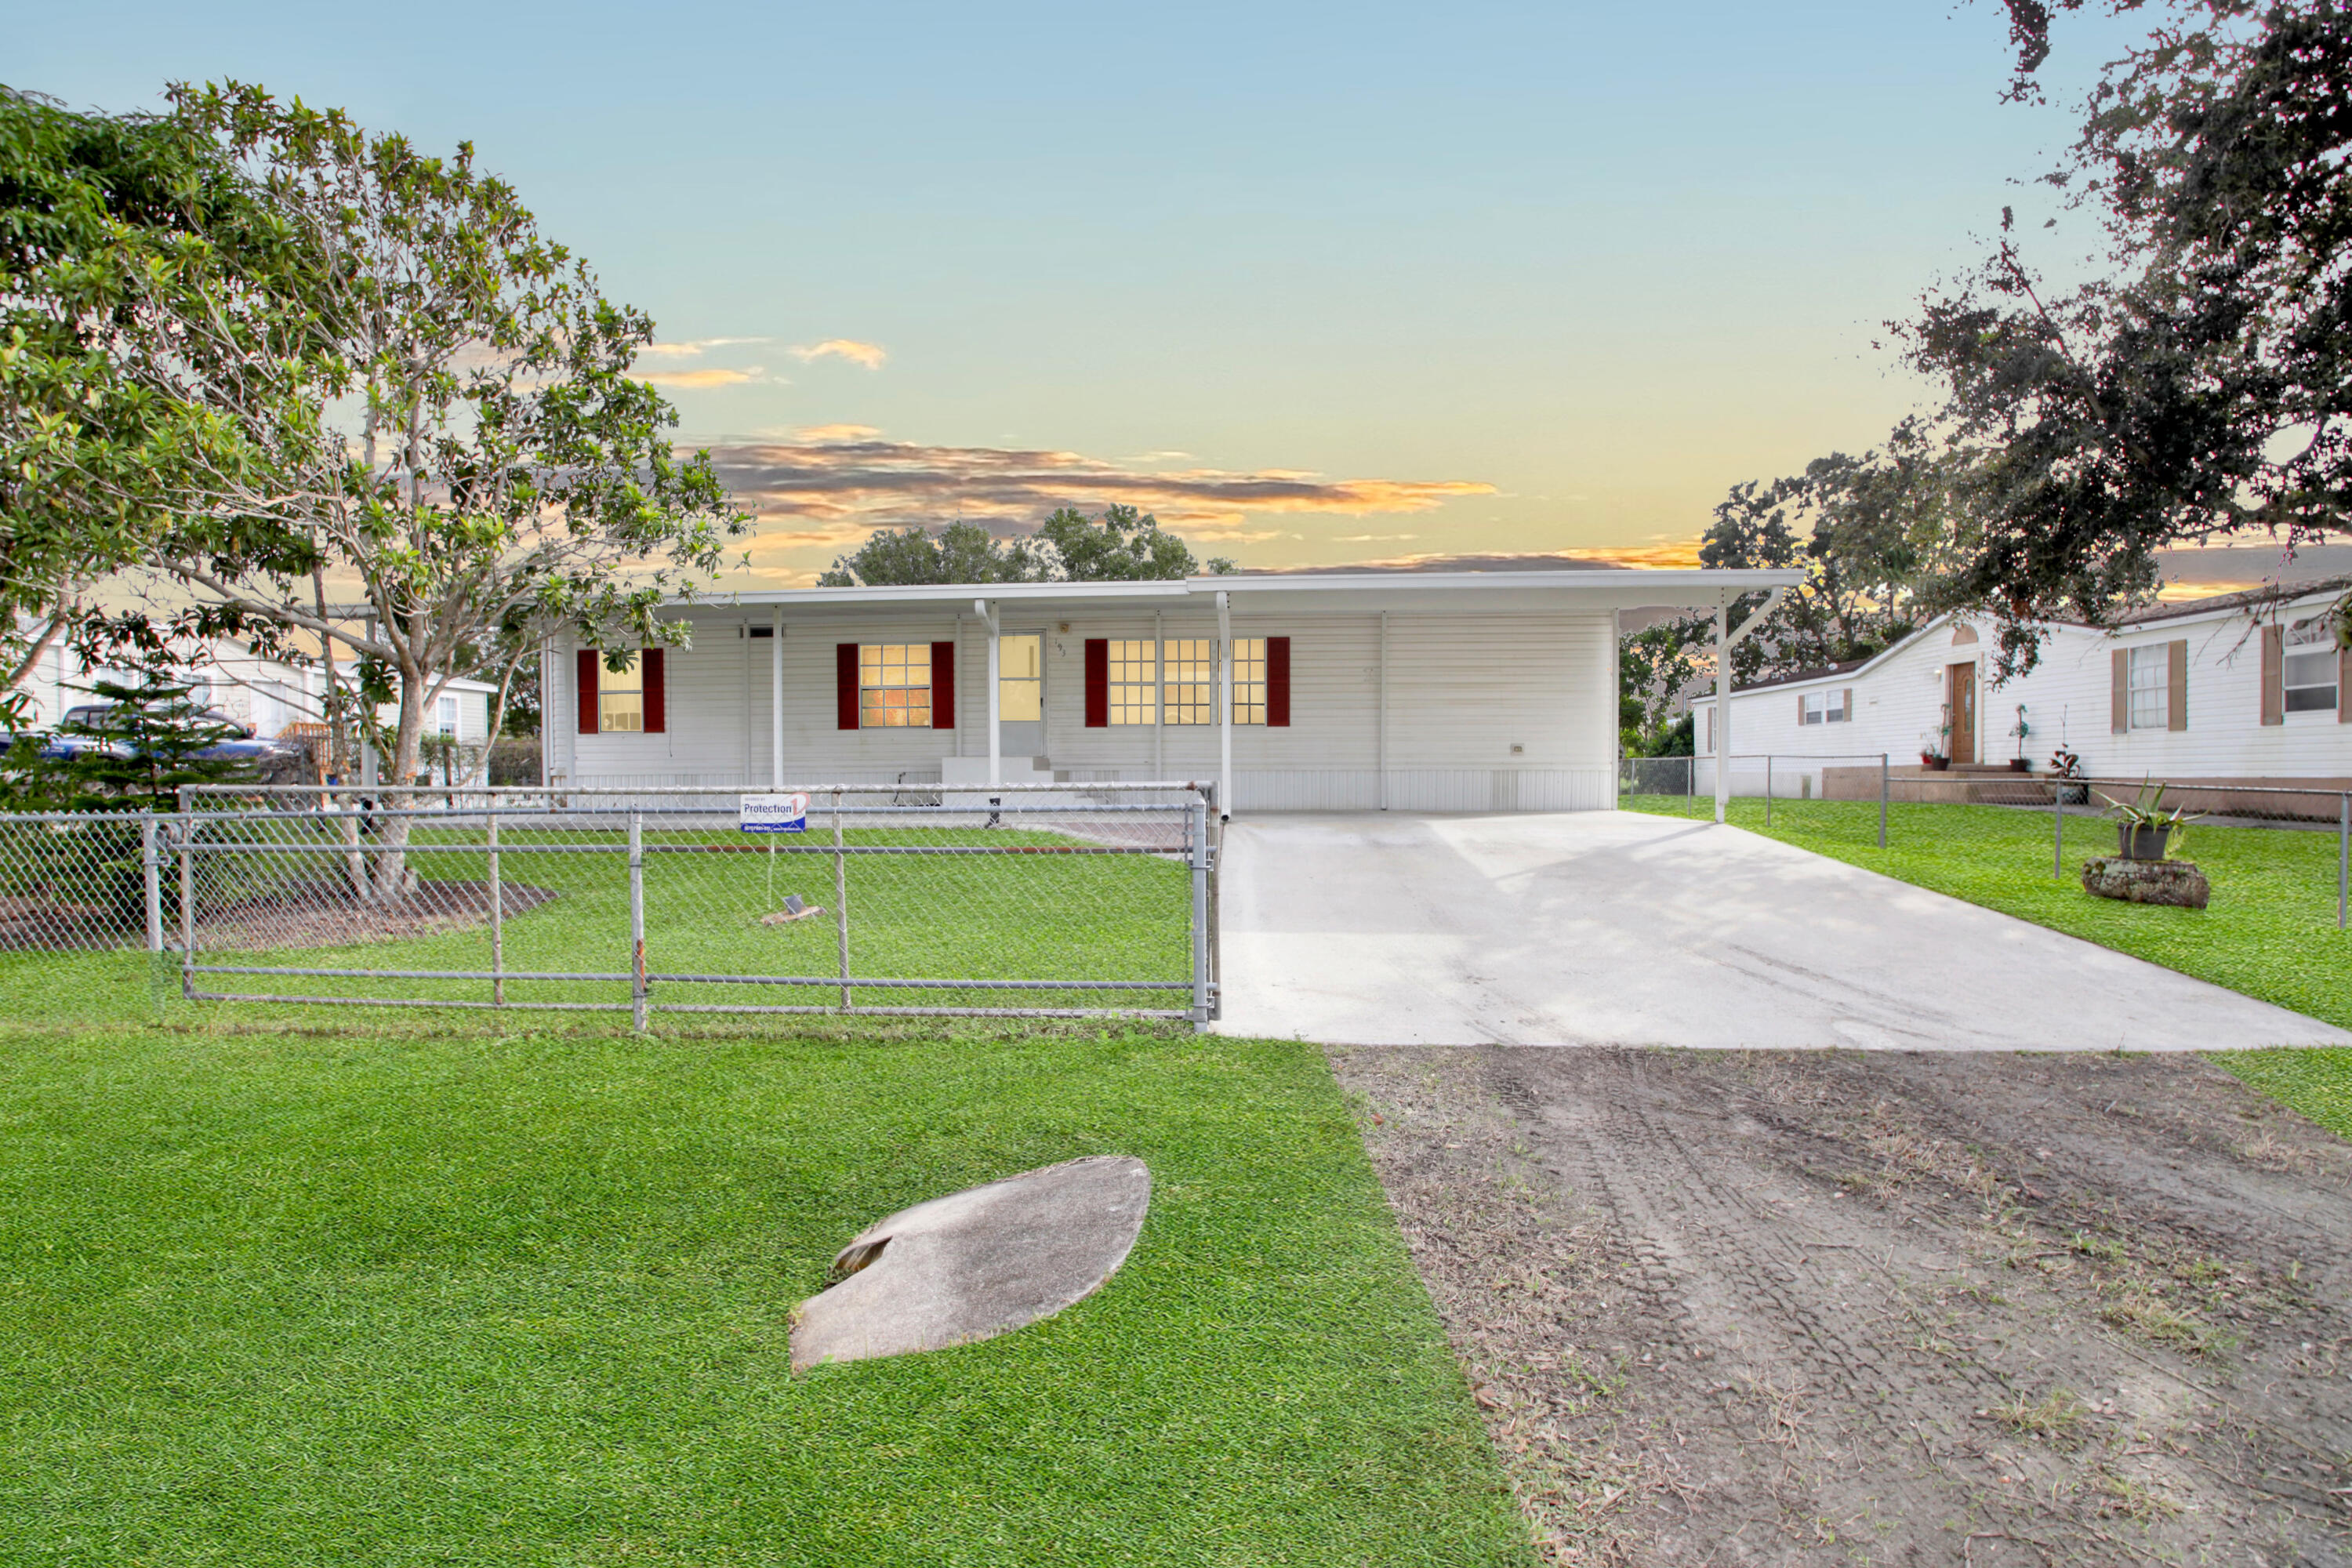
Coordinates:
(1885, 1308)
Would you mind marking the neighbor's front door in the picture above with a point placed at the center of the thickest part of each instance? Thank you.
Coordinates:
(1964, 712)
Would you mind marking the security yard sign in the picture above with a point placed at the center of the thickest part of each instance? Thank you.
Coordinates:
(774, 814)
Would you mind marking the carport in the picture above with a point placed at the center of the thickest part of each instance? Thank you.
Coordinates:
(1617, 929)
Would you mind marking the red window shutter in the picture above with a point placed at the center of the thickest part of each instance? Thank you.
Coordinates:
(844, 686)
(943, 685)
(1097, 683)
(1277, 682)
(585, 663)
(650, 666)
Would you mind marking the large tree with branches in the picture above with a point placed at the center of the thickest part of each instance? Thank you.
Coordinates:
(435, 454)
(2200, 387)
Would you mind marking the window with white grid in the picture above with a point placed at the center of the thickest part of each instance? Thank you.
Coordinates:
(1188, 680)
(2308, 671)
(894, 686)
(2151, 707)
(1132, 678)
(621, 696)
(1249, 680)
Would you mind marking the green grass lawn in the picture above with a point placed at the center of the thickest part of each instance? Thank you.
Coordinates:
(427, 1295)
(2269, 931)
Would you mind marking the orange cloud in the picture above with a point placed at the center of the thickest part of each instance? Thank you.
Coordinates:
(693, 347)
(842, 475)
(711, 376)
(870, 355)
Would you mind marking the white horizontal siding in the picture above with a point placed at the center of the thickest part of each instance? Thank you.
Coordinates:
(2067, 697)
(1463, 690)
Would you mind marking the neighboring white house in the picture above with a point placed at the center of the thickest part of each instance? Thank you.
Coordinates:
(2242, 688)
(1458, 691)
(265, 694)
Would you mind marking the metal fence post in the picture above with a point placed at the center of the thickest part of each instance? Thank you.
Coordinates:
(151, 874)
(2342, 854)
(638, 918)
(2058, 827)
(841, 900)
(497, 916)
(1690, 782)
(1882, 800)
(187, 909)
(1197, 830)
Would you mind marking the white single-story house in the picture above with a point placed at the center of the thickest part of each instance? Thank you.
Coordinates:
(1439, 691)
(2246, 688)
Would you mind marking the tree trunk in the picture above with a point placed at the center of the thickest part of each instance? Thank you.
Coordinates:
(391, 837)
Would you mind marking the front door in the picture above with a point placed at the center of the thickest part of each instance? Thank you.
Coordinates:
(1021, 693)
(1963, 713)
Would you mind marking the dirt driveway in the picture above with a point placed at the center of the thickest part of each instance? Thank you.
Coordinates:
(1885, 1308)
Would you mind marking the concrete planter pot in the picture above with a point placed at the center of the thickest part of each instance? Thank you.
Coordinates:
(2137, 843)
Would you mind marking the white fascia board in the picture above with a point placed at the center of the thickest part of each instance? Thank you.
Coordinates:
(1842, 678)
(1334, 593)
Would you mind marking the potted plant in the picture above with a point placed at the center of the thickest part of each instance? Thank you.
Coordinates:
(2065, 764)
(2143, 827)
(2021, 763)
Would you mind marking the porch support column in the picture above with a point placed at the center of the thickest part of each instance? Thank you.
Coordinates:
(1722, 711)
(986, 609)
(776, 699)
(1723, 647)
(1225, 706)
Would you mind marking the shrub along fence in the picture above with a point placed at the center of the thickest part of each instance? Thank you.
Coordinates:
(1850, 791)
(1018, 900)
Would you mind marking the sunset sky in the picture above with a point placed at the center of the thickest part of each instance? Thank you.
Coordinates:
(1314, 284)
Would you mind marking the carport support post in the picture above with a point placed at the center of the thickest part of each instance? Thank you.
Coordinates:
(1224, 708)
(637, 918)
(1722, 709)
(1882, 800)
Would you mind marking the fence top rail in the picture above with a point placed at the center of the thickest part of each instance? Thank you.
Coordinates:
(1071, 787)
(2329, 788)
(540, 814)
(122, 817)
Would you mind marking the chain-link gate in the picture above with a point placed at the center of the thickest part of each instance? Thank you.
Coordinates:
(990, 902)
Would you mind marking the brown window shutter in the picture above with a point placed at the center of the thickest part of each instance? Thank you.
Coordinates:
(2176, 685)
(2343, 686)
(2119, 700)
(2273, 675)
(844, 686)
(1277, 682)
(943, 685)
(650, 667)
(585, 663)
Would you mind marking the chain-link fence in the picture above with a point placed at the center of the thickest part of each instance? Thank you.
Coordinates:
(1019, 901)
(1863, 796)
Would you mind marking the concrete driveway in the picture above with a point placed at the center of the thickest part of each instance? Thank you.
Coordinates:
(1619, 929)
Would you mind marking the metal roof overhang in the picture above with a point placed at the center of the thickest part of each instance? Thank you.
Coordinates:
(1349, 593)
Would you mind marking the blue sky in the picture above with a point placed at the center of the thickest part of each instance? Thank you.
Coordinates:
(1315, 284)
